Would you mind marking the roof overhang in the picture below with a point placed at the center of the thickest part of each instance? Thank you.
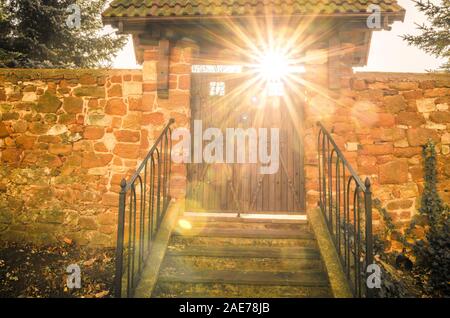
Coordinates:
(153, 28)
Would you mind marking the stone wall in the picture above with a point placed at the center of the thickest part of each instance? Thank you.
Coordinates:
(380, 121)
(67, 138)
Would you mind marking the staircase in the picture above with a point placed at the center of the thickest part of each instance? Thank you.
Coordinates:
(240, 257)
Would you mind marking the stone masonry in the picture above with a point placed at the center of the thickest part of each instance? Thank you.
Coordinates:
(68, 137)
(380, 121)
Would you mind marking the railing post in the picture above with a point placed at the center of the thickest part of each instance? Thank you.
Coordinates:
(120, 239)
(369, 239)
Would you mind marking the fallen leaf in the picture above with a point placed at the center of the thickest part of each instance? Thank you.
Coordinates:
(102, 294)
(67, 240)
(89, 262)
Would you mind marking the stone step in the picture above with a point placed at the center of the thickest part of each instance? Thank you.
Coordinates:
(304, 278)
(246, 233)
(253, 219)
(180, 241)
(246, 252)
(189, 290)
(195, 224)
(212, 257)
(172, 263)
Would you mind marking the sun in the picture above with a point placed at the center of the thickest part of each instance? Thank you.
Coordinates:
(273, 66)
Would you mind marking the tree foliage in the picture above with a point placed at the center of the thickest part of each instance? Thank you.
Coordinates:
(434, 38)
(34, 33)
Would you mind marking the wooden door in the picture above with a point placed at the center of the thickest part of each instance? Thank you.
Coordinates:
(236, 101)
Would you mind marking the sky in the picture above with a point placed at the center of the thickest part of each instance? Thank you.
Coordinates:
(388, 52)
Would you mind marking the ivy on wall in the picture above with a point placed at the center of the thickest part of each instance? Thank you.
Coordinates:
(432, 254)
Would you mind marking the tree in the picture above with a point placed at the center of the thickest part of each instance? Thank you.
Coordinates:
(434, 38)
(36, 34)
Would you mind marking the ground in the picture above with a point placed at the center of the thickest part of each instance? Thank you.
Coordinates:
(30, 271)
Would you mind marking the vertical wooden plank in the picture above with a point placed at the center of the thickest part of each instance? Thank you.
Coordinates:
(290, 164)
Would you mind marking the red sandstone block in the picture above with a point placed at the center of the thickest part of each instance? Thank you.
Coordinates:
(144, 140)
(110, 199)
(410, 119)
(93, 132)
(184, 82)
(148, 87)
(416, 172)
(384, 159)
(173, 81)
(116, 79)
(100, 147)
(147, 102)
(60, 149)
(394, 172)
(180, 69)
(420, 136)
(115, 91)
(385, 120)
(155, 118)
(93, 103)
(25, 142)
(88, 79)
(180, 119)
(127, 135)
(135, 103)
(407, 152)
(176, 54)
(11, 155)
(176, 100)
(92, 160)
(141, 104)
(131, 163)
(381, 149)
(366, 160)
(117, 178)
(151, 55)
(116, 122)
(127, 151)
(116, 106)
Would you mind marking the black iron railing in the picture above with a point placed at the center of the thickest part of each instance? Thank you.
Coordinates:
(143, 202)
(346, 203)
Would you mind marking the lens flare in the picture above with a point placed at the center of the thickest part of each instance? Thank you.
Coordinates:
(274, 66)
(185, 224)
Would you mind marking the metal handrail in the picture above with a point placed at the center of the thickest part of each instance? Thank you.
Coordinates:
(147, 195)
(341, 191)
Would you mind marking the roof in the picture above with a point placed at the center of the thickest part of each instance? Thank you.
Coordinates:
(240, 8)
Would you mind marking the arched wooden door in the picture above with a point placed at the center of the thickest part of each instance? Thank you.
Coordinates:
(236, 101)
